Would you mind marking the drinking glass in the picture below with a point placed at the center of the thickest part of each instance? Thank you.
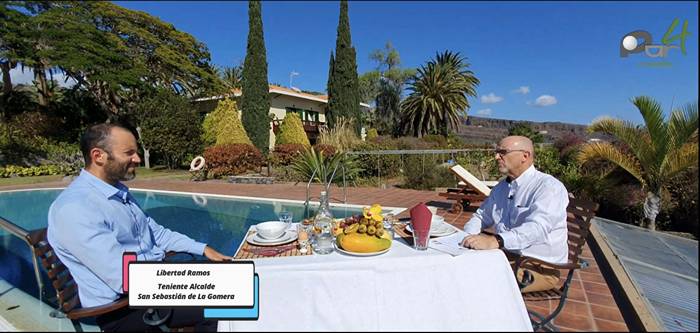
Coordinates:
(421, 239)
(304, 238)
(389, 222)
(286, 217)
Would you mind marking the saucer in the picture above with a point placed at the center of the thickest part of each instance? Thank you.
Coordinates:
(289, 236)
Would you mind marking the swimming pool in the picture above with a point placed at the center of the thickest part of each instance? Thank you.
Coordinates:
(219, 221)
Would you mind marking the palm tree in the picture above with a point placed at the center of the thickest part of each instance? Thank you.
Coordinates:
(439, 93)
(232, 76)
(655, 153)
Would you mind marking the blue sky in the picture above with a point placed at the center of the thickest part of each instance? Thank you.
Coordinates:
(563, 51)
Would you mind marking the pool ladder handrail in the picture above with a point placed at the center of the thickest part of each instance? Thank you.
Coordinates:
(24, 235)
(327, 185)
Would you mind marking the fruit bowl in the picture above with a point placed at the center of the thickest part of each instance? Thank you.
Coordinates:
(364, 234)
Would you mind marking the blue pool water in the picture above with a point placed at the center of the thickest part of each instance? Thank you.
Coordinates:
(221, 222)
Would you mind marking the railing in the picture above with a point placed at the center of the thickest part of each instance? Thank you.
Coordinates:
(24, 235)
(312, 126)
(308, 125)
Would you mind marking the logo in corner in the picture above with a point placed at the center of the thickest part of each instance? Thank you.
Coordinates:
(641, 41)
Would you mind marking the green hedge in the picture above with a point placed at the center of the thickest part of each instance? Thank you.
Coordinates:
(41, 170)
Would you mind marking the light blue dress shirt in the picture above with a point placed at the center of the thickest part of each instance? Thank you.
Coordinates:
(529, 213)
(92, 223)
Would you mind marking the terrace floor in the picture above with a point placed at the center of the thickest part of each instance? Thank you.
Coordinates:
(590, 306)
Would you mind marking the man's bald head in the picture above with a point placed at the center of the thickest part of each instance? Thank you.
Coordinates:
(515, 154)
(518, 142)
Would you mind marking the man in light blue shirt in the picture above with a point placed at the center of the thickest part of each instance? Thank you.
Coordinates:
(95, 220)
(527, 210)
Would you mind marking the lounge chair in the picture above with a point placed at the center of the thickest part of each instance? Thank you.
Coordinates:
(469, 190)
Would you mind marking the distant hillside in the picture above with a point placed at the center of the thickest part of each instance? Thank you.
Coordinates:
(480, 130)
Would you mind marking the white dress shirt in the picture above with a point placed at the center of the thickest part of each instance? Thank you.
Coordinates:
(529, 213)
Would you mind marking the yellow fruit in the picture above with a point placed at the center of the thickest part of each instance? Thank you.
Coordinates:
(363, 243)
(362, 229)
(371, 230)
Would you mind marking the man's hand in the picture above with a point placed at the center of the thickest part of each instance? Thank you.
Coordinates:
(480, 242)
(214, 255)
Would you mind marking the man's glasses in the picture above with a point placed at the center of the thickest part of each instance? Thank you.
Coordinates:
(503, 152)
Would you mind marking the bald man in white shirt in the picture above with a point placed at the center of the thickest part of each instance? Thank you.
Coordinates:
(527, 210)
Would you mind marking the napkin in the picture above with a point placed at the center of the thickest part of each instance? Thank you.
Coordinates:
(421, 217)
(451, 244)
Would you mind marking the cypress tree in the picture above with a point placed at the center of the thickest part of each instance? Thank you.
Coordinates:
(331, 101)
(255, 102)
(343, 84)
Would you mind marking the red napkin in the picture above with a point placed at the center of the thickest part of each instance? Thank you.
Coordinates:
(421, 217)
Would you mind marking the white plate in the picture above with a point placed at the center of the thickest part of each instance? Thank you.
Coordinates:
(289, 236)
(443, 230)
(358, 254)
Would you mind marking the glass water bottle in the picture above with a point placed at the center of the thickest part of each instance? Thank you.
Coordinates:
(323, 227)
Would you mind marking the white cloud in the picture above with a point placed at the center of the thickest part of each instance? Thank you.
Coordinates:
(544, 100)
(484, 112)
(27, 76)
(491, 98)
(523, 90)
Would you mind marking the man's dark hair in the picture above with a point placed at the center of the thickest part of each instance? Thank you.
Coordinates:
(96, 136)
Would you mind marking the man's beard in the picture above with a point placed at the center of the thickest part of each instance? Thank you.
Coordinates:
(120, 172)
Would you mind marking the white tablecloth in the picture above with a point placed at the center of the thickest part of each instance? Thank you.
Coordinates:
(401, 290)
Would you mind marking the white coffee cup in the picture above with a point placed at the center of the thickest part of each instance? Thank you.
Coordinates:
(436, 222)
(433, 210)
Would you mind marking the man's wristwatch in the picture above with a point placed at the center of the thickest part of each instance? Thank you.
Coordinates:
(499, 239)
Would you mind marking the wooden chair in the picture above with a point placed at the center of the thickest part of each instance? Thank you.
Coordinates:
(66, 288)
(579, 215)
(62, 281)
(472, 191)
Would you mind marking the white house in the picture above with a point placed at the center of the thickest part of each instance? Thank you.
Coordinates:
(311, 108)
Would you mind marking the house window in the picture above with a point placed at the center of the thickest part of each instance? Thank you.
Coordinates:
(304, 115)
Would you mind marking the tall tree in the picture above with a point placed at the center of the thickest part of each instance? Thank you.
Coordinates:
(12, 22)
(255, 101)
(343, 84)
(22, 40)
(115, 53)
(653, 153)
(438, 95)
(384, 87)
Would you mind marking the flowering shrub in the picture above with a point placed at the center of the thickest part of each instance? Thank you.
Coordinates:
(232, 159)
